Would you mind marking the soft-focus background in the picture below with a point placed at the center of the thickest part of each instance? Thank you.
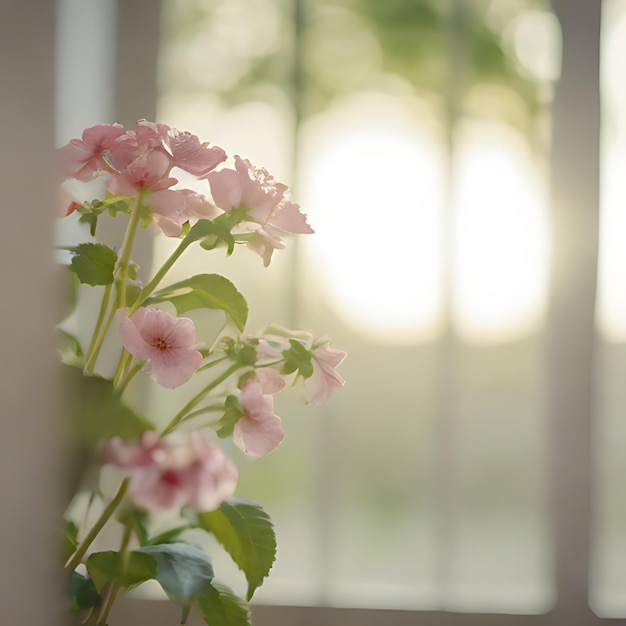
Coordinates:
(418, 136)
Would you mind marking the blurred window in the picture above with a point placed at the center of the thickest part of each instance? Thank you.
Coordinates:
(416, 134)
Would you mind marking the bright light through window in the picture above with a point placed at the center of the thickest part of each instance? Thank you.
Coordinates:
(611, 290)
(375, 191)
(500, 235)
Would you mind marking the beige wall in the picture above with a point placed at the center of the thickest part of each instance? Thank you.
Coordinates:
(30, 465)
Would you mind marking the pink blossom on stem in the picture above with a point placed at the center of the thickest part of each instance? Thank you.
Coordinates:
(192, 156)
(246, 186)
(258, 431)
(268, 211)
(82, 158)
(264, 245)
(148, 172)
(171, 208)
(172, 472)
(151, 135)
(146, 138)
(270, 380)
(165, 342)
(325, 378)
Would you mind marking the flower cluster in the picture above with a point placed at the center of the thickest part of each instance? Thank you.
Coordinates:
(173, 472)
(180, 467)
(141, 162)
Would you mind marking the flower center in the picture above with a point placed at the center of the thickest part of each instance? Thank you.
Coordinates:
(170, 477)
(161, 344)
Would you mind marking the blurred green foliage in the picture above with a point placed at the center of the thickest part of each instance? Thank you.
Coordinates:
(315, 50)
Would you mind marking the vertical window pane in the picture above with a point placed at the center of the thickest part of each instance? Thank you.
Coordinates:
(608, 580)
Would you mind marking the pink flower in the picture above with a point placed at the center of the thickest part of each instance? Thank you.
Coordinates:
(165, 342)
(146, 138)
(148, 172)
(270, 380)
(171, 208)
(325, 378)
(192, 156)
(82, 158)
(258, 431)
(172, 472)
(264, 245)
(151, 135)
(246, 186)
(269, 214)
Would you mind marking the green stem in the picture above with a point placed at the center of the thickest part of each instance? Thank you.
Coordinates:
(204, 409)
(120, 271)
(75, 559)
(120, 274)
(115, 586)
(91, 362)
(131, 374)
(108, 603)
(104, 305)
(183, 413)
(158, 277)
(209, 365)
(121, 368)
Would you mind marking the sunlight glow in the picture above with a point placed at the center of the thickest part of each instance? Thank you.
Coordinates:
(536, 38)
(612, 258)
(374, 192)
(500, 234)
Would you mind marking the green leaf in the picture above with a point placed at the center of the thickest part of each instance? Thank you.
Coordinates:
(93, 263)
(91, 219)
(212, 234)
(183, 571)
(246, 532)
(232, 413)
(205, 291)
(167, 536)
(130, 569)
(200, 230)
(297, 357)
(245, 355)
(95, 412)
(71, 352)
(219, 235)
(221, 607)
(71, 540)
(138, 520)
(115, 206)
(83, 592)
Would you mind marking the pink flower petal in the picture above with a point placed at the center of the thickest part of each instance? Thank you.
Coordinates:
(174, 367)
(81, 158)
(325, 379)
(225, 189)
(170, 210)
(289, 219)
(258, 437)
(192, 156)
(264, 245)
(131, 336)
(148, 172)
(165, 342)
(258, 431)
(271, 381)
